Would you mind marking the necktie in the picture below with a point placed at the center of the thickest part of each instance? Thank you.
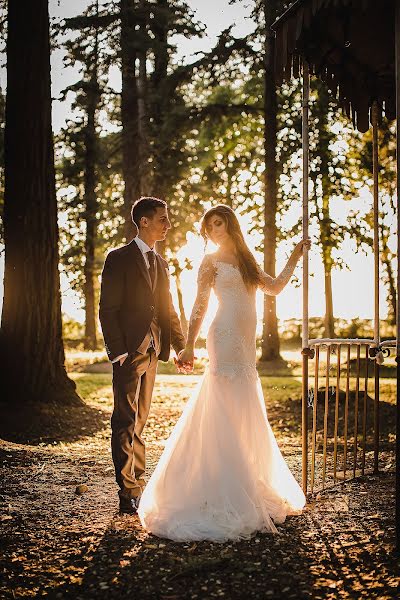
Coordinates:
(152, 262)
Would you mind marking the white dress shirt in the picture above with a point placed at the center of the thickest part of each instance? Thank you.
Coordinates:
(144, 248)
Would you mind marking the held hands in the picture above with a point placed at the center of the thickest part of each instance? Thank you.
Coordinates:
(184, 363)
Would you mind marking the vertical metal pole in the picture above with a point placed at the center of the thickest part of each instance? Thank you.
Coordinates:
(364, 421)
(397, 70)
(336, 414)
(375, 164)
(376, 417)
(314, 425)
(326, 412)
(305, 144)
(346, 412)
(357, 395)
(306, 151)
(375, 168)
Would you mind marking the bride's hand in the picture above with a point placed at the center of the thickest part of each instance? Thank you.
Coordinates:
(184, 363)
(305, 243)
(187, 356)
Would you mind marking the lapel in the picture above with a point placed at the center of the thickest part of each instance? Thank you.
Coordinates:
(140, 261)
(162, 277)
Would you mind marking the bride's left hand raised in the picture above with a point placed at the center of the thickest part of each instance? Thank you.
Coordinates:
(305, 243)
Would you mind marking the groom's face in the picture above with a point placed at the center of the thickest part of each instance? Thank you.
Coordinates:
(158, 225)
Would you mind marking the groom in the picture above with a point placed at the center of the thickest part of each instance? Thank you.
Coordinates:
(139, 325)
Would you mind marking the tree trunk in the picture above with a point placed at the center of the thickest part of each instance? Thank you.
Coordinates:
(31, 339)
(387, 262)
(326, 234)
(90, 341)
(392, 290)
(143, 117)
(159, 102)
(129, 114)
(182, 315)
(329, 318)
(270, 342)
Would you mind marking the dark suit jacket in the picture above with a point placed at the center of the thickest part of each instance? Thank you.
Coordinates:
(128, 303)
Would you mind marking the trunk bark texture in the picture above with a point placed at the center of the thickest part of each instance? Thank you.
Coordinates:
(326, 233)
(90, 342)
(129, 114)
(387, 261)
(270, 342)
(158, 102)
(143, 117)
(31, 335)
(182, 315)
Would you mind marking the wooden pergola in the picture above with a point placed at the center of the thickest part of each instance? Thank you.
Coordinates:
(354, 47)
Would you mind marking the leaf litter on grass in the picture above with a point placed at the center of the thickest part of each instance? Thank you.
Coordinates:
(62, 544)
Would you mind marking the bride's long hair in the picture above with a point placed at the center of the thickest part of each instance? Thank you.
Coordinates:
(247, 263)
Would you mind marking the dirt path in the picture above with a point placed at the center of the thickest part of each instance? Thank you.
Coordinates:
(60, 544)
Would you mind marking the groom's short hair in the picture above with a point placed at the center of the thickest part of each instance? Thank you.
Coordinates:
(146, 207)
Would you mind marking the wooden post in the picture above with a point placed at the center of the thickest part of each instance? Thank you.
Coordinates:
(397, 71)
(305, 144)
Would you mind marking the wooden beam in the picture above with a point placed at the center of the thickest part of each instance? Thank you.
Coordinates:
(306, 150)
(397, 71)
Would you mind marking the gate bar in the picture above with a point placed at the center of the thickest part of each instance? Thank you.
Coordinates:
(355, 448)
(336, 413)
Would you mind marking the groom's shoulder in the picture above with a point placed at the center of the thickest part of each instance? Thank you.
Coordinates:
(119, 252)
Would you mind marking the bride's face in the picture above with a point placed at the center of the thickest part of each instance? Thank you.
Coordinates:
(216, 229)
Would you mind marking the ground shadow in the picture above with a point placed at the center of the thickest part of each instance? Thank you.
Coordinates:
(45, 423)
(125, 563)
(275, 368)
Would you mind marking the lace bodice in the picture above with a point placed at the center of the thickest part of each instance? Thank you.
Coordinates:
(232, 281)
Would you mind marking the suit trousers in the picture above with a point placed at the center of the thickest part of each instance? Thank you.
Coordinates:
(133, 383)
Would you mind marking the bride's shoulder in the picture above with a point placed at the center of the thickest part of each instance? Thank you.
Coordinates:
(209, 262)
(207, 268)
(209, 258)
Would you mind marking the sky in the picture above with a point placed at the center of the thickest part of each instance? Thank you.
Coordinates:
(353, 288)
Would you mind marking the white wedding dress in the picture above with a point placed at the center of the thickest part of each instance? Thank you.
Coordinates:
(221, 475)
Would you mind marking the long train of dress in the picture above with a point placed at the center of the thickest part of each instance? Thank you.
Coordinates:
(221, 475)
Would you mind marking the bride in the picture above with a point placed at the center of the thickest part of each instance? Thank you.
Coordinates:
(221, 475)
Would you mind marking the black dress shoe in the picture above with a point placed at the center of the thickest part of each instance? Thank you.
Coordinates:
(128, 506)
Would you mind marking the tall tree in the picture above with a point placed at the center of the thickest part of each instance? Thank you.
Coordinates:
(264, 13)
(84, 49)
(270, 342)
(93, 98)
(2, 123)
(321, 173)
(31, 343)
(129, 110)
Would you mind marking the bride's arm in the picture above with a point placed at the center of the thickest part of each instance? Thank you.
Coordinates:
(205, 280)
(274, 285)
